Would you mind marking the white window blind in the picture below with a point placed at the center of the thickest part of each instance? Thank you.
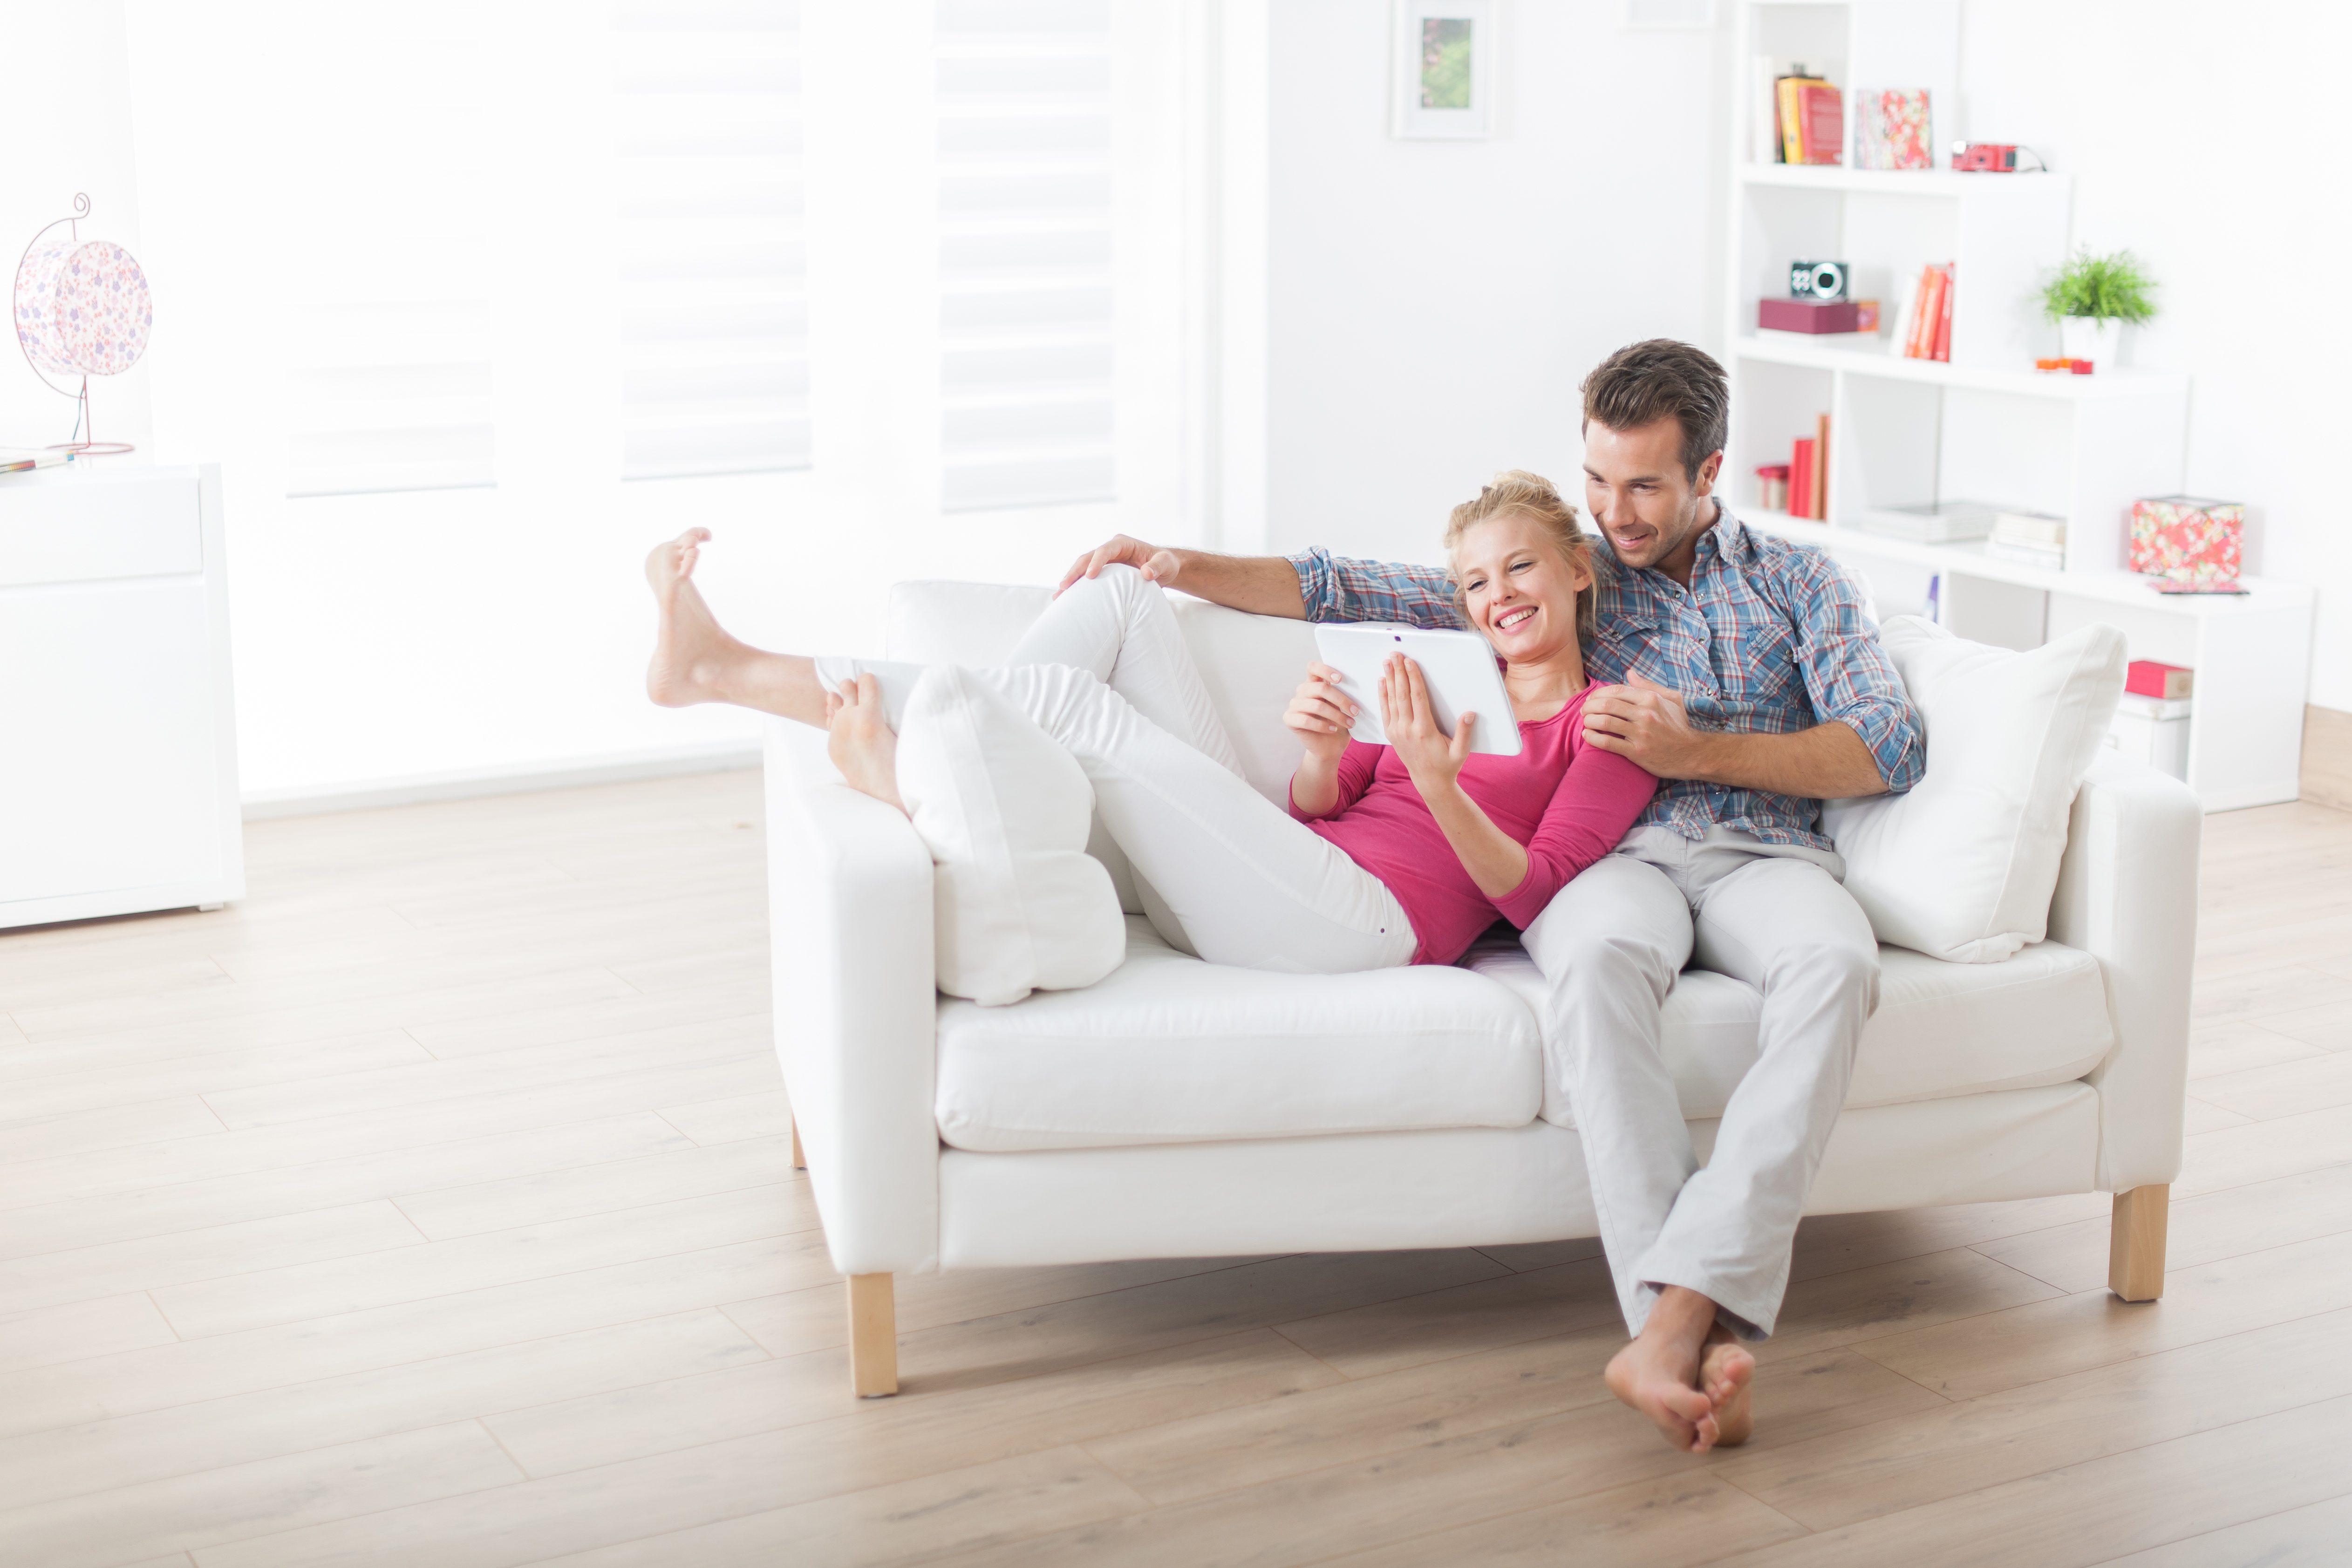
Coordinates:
(1026, 221)
(714, 314)
(384, 218)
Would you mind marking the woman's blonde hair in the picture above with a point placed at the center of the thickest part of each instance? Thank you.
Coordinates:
(1518, 493)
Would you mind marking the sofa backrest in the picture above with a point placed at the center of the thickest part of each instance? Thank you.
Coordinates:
(1250, 664)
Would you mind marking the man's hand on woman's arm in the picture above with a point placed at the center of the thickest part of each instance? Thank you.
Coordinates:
(1647, 724)
(1261, 584)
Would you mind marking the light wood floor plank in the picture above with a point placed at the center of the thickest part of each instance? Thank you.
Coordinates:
(2312, 1536)
(157, 1444)
(108, 1127)
(240, 1302)
(726, 1121)
(194, 1513)
(580, 1191)
(247, 1248)
(122, 1211)
(2051, 1337)
(1672, 1522)
(2093, 1511)
(269, 1066)
(1926, 1455)
(79, 1328)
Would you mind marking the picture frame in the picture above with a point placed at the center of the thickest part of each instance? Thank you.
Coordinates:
(1443, 69)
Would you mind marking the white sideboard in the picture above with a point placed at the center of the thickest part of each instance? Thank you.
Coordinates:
(118, 731)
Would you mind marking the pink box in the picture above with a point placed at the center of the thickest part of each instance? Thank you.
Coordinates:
(2196, 546)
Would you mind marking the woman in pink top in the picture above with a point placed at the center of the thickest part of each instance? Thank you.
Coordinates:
(1461, 837)
(1390, 855)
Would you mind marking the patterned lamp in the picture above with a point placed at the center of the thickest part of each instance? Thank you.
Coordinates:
(82, 310)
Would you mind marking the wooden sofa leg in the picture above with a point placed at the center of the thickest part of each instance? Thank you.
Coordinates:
(873, 1336)
(800, 1161)
(2135, 1243)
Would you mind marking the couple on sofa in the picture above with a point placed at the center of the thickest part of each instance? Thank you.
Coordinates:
(1740, 670)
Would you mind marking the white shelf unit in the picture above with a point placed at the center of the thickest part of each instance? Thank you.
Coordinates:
(120, 793)
(1984, 427)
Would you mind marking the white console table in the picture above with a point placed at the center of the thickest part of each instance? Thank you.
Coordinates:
(118, 732)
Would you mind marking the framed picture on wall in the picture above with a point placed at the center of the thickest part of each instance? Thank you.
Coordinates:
(1445, 68)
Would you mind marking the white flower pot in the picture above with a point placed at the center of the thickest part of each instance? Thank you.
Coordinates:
(2098, 338)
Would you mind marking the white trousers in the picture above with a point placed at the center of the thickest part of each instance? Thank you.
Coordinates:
(1104, 671)
(1610, 945)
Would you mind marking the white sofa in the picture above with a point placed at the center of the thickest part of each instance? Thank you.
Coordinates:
(1180, 1108)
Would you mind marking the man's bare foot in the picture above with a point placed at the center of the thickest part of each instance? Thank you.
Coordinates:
(691, 654)
(862, 744)
(1659, 1377)
(1725, 1369)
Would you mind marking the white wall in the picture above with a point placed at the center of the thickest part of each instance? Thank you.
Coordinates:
(1434, 304)
(2208, 141)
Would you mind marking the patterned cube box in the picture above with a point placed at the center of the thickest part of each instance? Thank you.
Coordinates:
(2195, 545)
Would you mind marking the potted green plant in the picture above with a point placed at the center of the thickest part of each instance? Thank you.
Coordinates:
(2091, 298)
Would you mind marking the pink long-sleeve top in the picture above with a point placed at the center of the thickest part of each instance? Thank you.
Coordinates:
(1566, 802)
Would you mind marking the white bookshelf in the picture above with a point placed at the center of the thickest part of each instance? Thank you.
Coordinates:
(1984, 427)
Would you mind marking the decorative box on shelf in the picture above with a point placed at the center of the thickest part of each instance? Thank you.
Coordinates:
(2195, 546)
(119, 791)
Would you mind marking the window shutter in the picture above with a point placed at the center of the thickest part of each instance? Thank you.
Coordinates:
(1026, 262)
(714, 315)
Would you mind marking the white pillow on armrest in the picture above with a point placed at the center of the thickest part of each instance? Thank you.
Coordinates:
(1963, 867)
(1017, 903)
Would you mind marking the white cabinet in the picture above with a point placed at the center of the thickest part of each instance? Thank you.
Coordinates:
(117, 746)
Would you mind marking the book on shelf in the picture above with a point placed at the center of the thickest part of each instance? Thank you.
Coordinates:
(2034, 528)
(1928, 332)
(1812, 120)
(1820, 491)
(2163, 682)
(1891, 129)
(1800, 476)
(1928, 522)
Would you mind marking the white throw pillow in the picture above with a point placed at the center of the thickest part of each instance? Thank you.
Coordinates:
(1017, 903)
(1962, 867)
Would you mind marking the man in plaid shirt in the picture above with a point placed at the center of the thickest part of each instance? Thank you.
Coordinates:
(1745, 673)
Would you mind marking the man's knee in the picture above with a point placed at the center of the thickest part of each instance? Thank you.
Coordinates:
(1827, 969)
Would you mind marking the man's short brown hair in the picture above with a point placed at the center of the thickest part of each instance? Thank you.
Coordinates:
(1656, 379)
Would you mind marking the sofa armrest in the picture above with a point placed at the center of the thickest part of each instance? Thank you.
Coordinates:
(849, 899)
(2128, 895)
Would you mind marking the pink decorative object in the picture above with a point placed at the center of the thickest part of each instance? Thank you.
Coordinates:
(2195, 546)
(82, 310)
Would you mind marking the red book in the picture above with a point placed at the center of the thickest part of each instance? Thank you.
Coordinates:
(1943, 350)
(1821, 120)
(1928, 314)
(1800, 477)
(2165, 683)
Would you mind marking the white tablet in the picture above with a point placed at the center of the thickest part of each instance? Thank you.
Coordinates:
(1459, 668)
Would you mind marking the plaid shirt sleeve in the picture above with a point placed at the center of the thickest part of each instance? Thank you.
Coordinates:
(1848, 678)
(1337, 588)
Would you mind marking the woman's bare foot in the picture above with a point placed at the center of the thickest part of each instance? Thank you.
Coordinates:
(1725, 1369)
(862, 744)
(690, 652)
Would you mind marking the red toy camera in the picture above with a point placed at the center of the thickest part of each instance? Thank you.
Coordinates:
(1987, 157)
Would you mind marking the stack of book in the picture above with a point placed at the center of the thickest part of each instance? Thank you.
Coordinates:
(1800, 116)
(1925, 329)
(2029, 539)
(1930, 522)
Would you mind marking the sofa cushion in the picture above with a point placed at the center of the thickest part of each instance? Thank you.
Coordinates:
(1167, 1049)
(1017, 903)
(1941, 1028)
(1963, 865)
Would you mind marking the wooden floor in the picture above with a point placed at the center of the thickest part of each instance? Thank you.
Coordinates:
(433, 1207)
